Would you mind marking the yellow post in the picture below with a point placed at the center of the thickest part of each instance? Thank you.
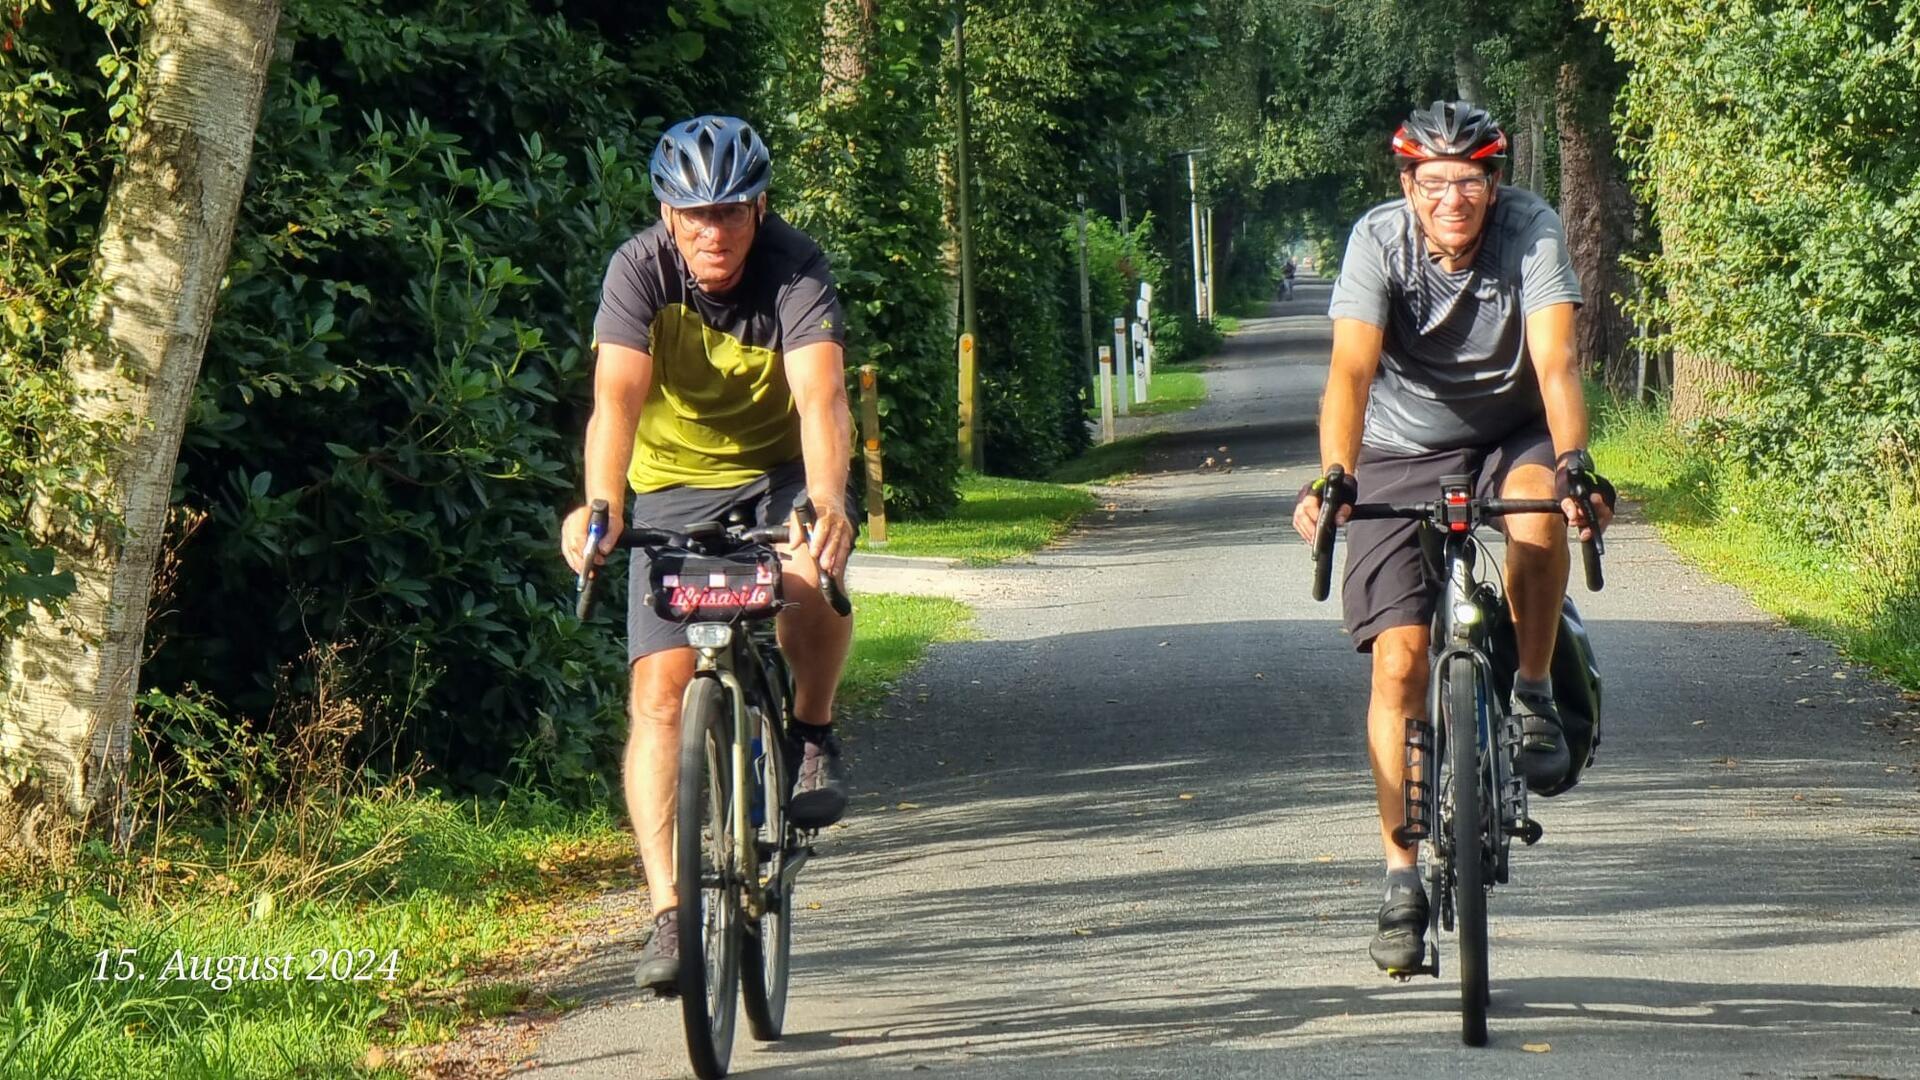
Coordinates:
(870, 442)
(970, 448)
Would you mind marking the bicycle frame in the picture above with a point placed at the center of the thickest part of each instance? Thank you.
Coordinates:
(726, 663)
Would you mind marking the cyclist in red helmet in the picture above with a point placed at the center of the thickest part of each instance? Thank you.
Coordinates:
(1453, 352)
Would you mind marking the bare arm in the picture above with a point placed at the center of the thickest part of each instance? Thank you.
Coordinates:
(817, 373)
(1550, 342)
(1343, 408)
(621, 379)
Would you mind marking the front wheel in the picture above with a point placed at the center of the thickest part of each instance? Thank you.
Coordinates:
(706, 871)
(1465, 700)
(764, 959)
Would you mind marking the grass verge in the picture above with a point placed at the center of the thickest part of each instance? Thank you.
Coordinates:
(178, 963)
(1173, 389)
(997, 518)
(1860, 588)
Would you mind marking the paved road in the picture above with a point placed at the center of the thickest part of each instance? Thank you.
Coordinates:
(1128, 831)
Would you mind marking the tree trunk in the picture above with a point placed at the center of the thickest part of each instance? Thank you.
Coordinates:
(1597, 207)
(163, 251)
(848, 25)
(1466, 69)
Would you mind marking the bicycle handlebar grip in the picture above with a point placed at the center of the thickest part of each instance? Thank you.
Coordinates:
(1582, 493)
(1324, 533)
(585, 590)
(830, 585)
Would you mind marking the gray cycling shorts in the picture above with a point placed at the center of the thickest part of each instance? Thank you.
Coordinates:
(768, 498)
(1387, 583)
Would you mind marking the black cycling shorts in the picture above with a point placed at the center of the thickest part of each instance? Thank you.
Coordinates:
(1386, 583)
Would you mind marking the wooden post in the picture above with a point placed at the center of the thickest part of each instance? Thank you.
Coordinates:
(870, 442)
(1106, 393)
(969, 445)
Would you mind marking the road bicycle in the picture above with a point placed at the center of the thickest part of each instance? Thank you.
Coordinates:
(1465, 800)
(737, 854)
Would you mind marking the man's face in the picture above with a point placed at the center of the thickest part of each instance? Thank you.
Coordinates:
(1452, 199)
(714, 240)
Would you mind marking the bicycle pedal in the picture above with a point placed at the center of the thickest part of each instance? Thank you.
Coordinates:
(1528, 830)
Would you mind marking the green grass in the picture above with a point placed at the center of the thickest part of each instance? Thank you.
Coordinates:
(1861, 589)
(462, 896)
(996, 519)
(1173, 389)
(890, 634)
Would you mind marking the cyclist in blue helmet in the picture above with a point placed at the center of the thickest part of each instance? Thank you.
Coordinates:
(719, 386)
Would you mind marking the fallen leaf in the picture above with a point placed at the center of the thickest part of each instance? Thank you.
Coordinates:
(1323, 858)
(1081, 931)
(1162, 645)
(908, 806)
(1537, 1048)
(814, 906)
(1188, 795)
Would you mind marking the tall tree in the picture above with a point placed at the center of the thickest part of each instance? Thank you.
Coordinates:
(162, 254)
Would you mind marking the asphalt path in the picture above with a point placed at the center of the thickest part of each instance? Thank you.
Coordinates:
(1128, 830)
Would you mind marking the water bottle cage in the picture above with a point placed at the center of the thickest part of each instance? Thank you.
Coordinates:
(1417, 795)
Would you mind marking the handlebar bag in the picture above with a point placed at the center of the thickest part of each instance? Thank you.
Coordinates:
(686, 587)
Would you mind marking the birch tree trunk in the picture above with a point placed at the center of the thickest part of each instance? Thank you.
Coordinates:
(164, 242)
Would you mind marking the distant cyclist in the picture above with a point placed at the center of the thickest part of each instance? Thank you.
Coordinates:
(719, 385)
(1453, 352)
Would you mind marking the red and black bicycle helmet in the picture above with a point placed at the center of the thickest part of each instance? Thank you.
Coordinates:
(1458, 130)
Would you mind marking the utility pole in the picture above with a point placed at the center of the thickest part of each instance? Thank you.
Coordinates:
(972, 452)
(1086, 300)
(1200, 310)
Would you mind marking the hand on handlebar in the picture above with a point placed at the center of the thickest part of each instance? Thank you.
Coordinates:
(573, 538)
(830, 538)
(1306, 512)
(1574, 474)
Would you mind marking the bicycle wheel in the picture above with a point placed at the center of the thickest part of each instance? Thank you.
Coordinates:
(705, 871)
(1469, 849)
(766, 948)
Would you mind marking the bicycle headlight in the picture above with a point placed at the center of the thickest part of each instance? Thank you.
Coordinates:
(1466, 613)
(710, 635)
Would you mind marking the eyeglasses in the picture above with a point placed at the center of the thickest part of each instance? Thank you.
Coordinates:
(1471, 187)
(724, 216)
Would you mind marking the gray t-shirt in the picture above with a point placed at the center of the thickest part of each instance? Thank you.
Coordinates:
(1454, 368)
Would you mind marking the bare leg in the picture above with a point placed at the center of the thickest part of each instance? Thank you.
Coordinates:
(814, 638)
(1537, 563)
(651, 766)
(1399, 691)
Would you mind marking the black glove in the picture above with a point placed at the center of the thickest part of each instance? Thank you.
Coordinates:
(1346, 490)
(1578, 463)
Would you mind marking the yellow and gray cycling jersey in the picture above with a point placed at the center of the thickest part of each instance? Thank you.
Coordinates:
(719, 412)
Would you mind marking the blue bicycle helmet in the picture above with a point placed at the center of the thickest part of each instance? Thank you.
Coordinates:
(709, 160)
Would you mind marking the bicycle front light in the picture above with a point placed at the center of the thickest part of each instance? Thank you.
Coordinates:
(710, 635)
(1466, 613)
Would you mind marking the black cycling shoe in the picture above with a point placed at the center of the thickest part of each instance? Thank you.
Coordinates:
(1400, 946)
(1544, 758)
(659, 968)
(820, 788)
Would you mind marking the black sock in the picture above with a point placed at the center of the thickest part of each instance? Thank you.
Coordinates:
(813, 733)
(1405, 877)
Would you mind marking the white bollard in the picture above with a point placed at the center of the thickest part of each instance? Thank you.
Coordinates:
(1106, 394)
(1122, 362)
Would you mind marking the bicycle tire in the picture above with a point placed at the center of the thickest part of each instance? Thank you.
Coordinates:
(709, 912)
(766, 949)
(1469, 853)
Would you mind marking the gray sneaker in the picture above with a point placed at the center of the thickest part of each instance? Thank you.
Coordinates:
(659, 968)
(820, 789)
(1544, 758)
